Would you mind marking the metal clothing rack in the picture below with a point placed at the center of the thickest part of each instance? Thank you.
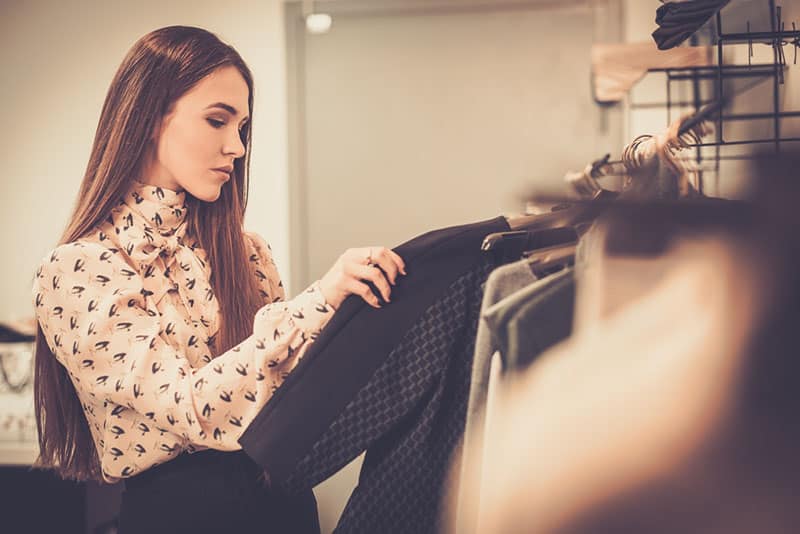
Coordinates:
(778, 37)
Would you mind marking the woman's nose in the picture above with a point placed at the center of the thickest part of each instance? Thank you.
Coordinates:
(235, 146)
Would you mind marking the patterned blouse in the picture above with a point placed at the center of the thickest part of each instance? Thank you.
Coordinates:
(130, 313)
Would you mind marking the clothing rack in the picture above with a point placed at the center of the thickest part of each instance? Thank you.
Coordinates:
(777, 37)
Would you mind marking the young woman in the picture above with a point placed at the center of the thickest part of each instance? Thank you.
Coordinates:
(163, 326)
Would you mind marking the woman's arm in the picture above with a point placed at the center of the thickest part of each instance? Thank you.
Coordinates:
(101, 325)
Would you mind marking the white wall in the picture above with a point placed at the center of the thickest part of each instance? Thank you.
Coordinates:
(58, 59)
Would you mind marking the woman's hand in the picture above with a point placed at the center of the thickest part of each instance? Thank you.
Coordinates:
(379, 265)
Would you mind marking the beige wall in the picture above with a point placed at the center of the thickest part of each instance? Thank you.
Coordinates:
(58, 59)
(442, 113)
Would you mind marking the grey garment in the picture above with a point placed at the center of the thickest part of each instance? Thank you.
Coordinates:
(500, 314)
(493, 316)
(502, 282)
(543, 321)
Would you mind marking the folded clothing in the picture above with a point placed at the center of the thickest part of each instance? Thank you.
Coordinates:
(678, 21)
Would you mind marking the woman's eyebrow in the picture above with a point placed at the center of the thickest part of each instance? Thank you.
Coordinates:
(227, 107)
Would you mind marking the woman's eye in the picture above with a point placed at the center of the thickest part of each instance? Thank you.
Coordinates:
(219, 124)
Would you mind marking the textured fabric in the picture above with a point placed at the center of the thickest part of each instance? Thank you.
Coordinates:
(212, 492)
(128, 310)
(678, 21)
(359, 338)
(410, 417)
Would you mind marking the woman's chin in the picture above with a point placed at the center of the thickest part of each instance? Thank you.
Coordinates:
(207, 194)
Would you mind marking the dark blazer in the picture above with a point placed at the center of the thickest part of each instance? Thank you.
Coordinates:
(394, 381)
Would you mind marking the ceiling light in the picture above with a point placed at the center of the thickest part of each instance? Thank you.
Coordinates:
(318, 22)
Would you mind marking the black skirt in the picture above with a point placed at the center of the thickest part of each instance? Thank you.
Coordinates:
(212, 491)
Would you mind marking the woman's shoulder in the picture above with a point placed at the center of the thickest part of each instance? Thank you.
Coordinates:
(259, 246)
(264, 266)
(78, 255)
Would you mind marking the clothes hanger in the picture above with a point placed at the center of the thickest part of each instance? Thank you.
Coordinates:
(511, 246)
(638, 154)
(585, 183)
(534, 232)
(544, 261)
(568, 216)
(642, 152)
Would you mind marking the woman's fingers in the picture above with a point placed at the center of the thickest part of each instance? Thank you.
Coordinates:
(401, 265)
(376, 276)
(385, 261)
(355, 266)
(388, 260)
(361, 289)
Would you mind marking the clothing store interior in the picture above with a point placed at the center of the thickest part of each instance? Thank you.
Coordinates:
(595, 203)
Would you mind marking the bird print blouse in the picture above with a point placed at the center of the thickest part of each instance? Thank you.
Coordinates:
(129, 312)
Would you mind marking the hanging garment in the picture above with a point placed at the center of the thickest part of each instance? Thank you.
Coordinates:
(528, 308)
(503, 281)
(677, 21)
(540, 323)
(624, 411)
(407, 375)
(500, 316)
(617, 67)
(410, 419)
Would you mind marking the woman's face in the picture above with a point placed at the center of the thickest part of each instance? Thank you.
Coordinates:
(199, 135)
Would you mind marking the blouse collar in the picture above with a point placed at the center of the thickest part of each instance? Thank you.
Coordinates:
(150, 225)
(162, 209)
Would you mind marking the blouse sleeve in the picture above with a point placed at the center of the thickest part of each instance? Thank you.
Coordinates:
(101, 325)
(266, 271)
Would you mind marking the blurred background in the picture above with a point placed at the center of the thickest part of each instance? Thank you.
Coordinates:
(402, 117)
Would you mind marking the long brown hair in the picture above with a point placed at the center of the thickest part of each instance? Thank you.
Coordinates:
(158, 69)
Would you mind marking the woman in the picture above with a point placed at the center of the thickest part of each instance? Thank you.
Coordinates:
(163, 327)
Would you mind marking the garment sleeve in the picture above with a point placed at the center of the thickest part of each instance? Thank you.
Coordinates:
(104, 328)
(272, 289)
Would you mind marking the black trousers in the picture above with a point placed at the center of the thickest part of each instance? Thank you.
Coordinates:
(212, 491)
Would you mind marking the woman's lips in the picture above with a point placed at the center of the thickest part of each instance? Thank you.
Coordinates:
(225, 175)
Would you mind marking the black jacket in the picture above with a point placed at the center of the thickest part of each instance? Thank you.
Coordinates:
(394, 381)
